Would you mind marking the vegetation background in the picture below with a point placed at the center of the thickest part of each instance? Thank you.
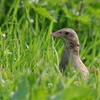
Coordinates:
(29, 57)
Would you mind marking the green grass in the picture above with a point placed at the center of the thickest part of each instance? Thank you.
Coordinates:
(29, 56)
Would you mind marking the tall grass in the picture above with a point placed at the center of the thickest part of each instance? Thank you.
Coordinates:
(29, 56)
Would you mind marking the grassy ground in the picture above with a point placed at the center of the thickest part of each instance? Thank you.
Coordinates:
(29, 57)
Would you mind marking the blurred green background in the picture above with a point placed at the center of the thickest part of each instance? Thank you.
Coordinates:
(29, 57)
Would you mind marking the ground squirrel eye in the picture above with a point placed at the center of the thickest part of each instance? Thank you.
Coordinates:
(60, 32)
(66, 33)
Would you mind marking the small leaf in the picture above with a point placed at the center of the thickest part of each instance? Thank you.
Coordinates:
(22, 91)
(42, 11)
